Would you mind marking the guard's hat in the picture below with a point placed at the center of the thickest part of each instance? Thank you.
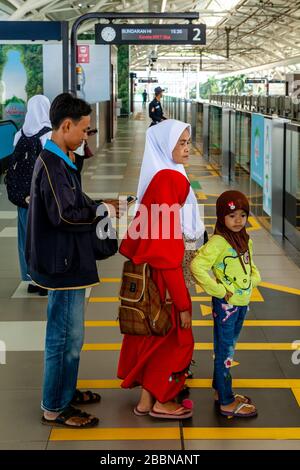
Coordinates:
(158, 90)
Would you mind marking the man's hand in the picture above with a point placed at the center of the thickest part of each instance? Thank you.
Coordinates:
(116, 208)
(185, 319)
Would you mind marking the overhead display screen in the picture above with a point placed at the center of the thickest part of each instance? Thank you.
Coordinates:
(150, 34)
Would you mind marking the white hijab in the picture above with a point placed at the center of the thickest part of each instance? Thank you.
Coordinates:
(160, 142)
(36, 118)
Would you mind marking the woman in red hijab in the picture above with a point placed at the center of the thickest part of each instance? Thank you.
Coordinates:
(160, 364)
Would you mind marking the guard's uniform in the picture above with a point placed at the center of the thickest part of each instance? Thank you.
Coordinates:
(156, 112)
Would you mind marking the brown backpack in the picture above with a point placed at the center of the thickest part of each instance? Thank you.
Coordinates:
(141, 311)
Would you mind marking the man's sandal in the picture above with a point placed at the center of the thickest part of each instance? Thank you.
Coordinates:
(236, 412)
(80, 398)
(69, 413)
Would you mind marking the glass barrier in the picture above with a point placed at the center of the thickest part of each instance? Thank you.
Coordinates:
(292, 185)
(242, 143)
(215, 137)
(199, 127)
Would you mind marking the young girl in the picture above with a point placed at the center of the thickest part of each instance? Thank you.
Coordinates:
(229, 254)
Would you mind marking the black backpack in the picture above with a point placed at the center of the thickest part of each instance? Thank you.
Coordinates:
(20, 168)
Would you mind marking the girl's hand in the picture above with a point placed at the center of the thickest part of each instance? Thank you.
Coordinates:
(185, 319)
(228, 295)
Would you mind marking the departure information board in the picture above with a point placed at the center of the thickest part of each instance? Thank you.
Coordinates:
(150, 34)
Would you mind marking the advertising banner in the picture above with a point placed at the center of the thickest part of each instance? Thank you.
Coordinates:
(257, 149)
(267, 187)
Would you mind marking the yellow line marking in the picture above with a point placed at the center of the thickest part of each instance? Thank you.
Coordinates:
(116, 299)
(241, 433)
(110, 279)
(254, 225)
(201, 195)
(204, 347)
(296, 392)
(204, 323)
(97, 323)
(290, 290)
(199, 289)
(205, 310)
(101, 347)
(203, 383)
(115, 434)
(253, 323)
(200, 299)
(256, 296)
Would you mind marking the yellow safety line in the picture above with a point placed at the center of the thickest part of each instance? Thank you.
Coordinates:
(252, 323)
(241, 433)
(173, 433)
(290, 290)
(200, 299)
(204, 346)
(116, 434)
(203, 383)
(254, 225)
(103, 299)
(296, 392)
(110, 279)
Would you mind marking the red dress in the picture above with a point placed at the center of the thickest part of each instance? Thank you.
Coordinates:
(160, 364)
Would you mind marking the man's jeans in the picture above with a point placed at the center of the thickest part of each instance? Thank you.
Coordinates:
(22, 223)
(64, 340)
(228, 322)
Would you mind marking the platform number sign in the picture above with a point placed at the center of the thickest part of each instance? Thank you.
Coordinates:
(197, 35)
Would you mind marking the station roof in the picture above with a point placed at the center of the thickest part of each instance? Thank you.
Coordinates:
(261, 31)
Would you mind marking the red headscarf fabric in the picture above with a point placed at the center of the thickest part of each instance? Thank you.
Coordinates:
(167, 188)
(227, 203)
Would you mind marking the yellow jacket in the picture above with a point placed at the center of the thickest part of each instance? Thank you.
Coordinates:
(219, 256)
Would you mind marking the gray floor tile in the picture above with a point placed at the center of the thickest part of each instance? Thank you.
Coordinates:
(20, 416)
(276, 408)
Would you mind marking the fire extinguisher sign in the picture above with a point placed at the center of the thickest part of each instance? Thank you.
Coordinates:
(83, 54)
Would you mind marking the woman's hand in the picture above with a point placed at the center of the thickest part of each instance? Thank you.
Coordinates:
(185, 319)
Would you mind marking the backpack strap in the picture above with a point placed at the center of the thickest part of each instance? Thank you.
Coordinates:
(43, 131)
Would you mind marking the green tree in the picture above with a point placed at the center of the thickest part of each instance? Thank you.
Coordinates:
(211, 87)
(233, 85)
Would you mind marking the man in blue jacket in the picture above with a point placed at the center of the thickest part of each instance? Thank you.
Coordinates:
(60, 258)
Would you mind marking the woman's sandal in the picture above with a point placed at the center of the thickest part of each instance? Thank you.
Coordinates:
(236, 412)
(69, 413)
(137, 412)
(180, 413)
(79, 398)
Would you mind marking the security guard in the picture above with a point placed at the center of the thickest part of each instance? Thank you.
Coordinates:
(155, 109)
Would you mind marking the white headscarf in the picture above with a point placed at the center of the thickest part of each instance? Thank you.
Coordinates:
(160, 142)
(36, 118)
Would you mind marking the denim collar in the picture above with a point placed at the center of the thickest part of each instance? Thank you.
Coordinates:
(54, 148)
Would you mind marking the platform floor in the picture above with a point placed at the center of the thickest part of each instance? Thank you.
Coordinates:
(263, 362)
